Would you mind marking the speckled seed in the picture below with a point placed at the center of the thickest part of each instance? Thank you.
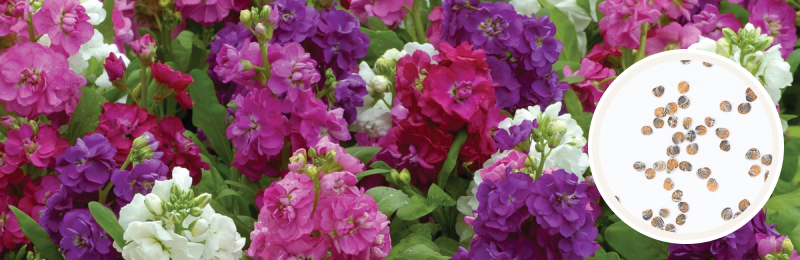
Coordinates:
(669, 228)
(678, 138)
(722, 133)
(668, 184)
(683, 87)
(658, 91)
(744, 108)
(755, 170)
(664, 213)
(677, 196)
(725, 145)
(639, 166)
(744, 204)
(708, 65)
(660, 112)
(672, 164)
(737, 214)
(650, 173)
(685, 166)
(703, 173)
(673, 151)
(658, 123)
(690, 135)
(672, 121)
(727, 214)
(701, 130)
(680, 220)
(671, 108)
(712, 185)
(686, 62)
(725, 106)
(710, 122)
(659, 166)
(646, 130)
(766, 159)
(687, 123)
(691, 149)
(657, 222)
(683, 206)
(766, 174)
(647, 214)
(683, 102)
(749, 95)
(752, 154)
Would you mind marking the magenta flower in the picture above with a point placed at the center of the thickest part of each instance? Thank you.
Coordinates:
(316, 123)
(37, 80)
(66, 22)
(144, 47)
(710, 22)
(497, 171)
(8, 165)
(776, 19)
(670, 37)
(37, 147)
(174, 80)
(461, 90)
(351, 220)
(13, 16)
(287, 207)
(259, 126)
(293, 71)
(391, 12)
(622, 25)
(121, 123)
(590, 90)
(10, 231)
(324, 146)
(335, 183)
(677, 8)
(36, 193)
(229, 63)
(267, 245)
(115, 67)
(769, 244)
(205, 12)
(123, 33)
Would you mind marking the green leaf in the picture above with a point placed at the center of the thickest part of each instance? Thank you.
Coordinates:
(369, 172)
(86, 115)
(447, 246)
(452, 156)
(416, 242)
(793, 60)
(787, 219)
(794, 236)
(601, 254)
(182, 51)
(586, 6)
(380, 165)
(631, 244)
(565, 32)
(787, 117)
(106, 27)
(573, 79)
(41, 241)
(416, 208)
(363, 153)
(379, 42)
(108, 221)
(113, 94)
(575, 109)
(388, 199)
(438, 197)
(599, 14)
(376, 24)
(791, 158)
(209, 115)
(423, 252)
(737, 10)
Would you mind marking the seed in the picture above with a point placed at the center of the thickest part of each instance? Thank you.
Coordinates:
(672, 121)
(690, 135)
(639, 166)
(672, 164)
(752, 154)
(686, 62)
(710, 122)
(663, 213)
(658, 123)
(683, 87)
(657, 222)
(678, 138)
(617, 199)
(737, 214)
(725, 145)
(660, 112)
(647, 214)
(658, 91)
(650, 173)
(669, 228)
(677, 195)
(744, 108)
(749, 95)
(683, 102)
(685, 166)
(727, 214)
(680, 220)
(755, 170)
(723, 133)
(668, 184)
(687, 123)
(701, 130)
(646, 130)
(744, 204)
(671, 108)
(766, 174)
(725, 106)
(708, 65)
(691, 149)
(673, 151)
(659, 166)
(703, 173)
(683, 206)
(712, 185)
(766, 159)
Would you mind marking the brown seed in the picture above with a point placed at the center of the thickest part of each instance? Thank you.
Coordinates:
(749, 95)
(701, 130)
(683, 206)
(725, 106)
(660, 112)
(657, 222)
(722, 133)
(680, 220)
(678, 138)
(672, 164)
(744, 108)
(671, 108)
(685, 166)
(647, 214)
(658, 91)
(664, 213)
(687, 123)
(673, 151)
(683, 102)
(677, 196)
(672, 121)
(669, 228)
(703, 173)
(659, 166)
(712, 185)
(766, 174)
(737, 214)
(744, 204)
(650, 173)
(686, 62)
(683, 87)
(639, 166)
(690, 135)
(766, 159)
(708, 65)
(646, 130)
(617, 199)
(668, 184)
(725, 145)
(727, 214)
(710, 122)
(752, 154)
(755, 170)
(691, 149)
(658, 123)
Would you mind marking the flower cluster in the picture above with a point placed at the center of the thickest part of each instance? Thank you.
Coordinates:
(741, 244)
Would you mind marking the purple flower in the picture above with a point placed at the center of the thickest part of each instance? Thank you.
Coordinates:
(776, 19)
(228, 63)
(504, 74)
(545, 90)
(233, 34)
(293, 71)
(769, 244)
(506, 140)
(502, 206)
(315, 123)
(58, 206)
(296, 21)
(66, 22)
(205, 12)
(349, 94)
(140, 179)
(340, 41)
(462, 254)
(115, 67)
(84, 238)
(87, 166)
(455, 14)
(740, 244)
(538, 48)
(494, 27)
(710, 22)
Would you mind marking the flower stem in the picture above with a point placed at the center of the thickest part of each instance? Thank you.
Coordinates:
(31, 34)
(143, 84)
(606, 80)
(642, 42)
(125, 164)
(415, 17)
(264, 60)
(104, 192)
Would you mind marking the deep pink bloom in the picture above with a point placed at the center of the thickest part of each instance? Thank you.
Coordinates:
(677, 8)
(121, 123)
(348, 162)
(590, 90)
(174, 80)
(776, 19)
(335, 183)
(179, 151)
(316, 122)
(513, 161)
(480, 145)
(229, 63)
(380, 247)
(123, 34)
(287, 206)
(622, 25)
(8, 164)
(143, 47)
(460, 90)
(421, 149)
(671, 37)
(66, 22)
(115, 67)
(10, 230)
(769, 244)
(350, 219)
(710, 22)
(434, 32)
(391, 12)
(39, 148)
(36, 194)
(293, 71)
(267, 245)
(13, 16)
(205, 12)
(258, 130)
(36, 80)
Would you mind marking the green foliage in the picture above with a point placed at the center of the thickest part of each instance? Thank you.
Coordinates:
(388, 199)
(209, 115)
(106, 27)
(631, 244)
(575, 109)
(41, 241)
(452, 156)
(108, 221)
(379, 42)
(737, 10)
(784, 210)
(86, 115)
(565, 32)
(793, 60)
(363, 153)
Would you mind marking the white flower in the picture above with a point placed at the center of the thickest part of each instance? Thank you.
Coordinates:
(412, 47)
(574, 134)
(374, 121)
(223, 242)
(150, 241)
(579, 18)
(705, 44)
(94, 9)
(180, 177)
(392, 54)
(526, 7)
(775, 72)
(135, 211)
(565, 157)
(97, 49)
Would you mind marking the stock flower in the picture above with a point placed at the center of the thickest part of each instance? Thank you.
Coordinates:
(538, 47)
(287, 206)
(121, 123)
(502, 205)
(340, 42)
(178, 150)
(114, 67)
(678, 8)
(13, 16)
(139, 180)
(316, 123)
(590, 90)
(351, 220)
(390, 12)
(453, 18)
(508, 89)
(776, 19)
(149, 240)
(710, 22)
(264, 245)
(223, 242)
(513, 161)
(174, 80)
(419, 148)
(83, 237)
(349, 94)
(37, 147)
(621, 27)
(123, 33)
(259, 127)
(296, 21)
(671, 37)
(460, 90)
(65, 22)
(10, 230)
(36, 193)
(494, 27)
(548, 89)
(58, 205)
(228, 63)
(293, 71)
(205, 12)
(769, 244)
(234, 35)
(508, 138)
(144, 47)
(87, 166)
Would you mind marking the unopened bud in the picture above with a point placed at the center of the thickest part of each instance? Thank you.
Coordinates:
(405, 176)
(379, 84)
(559, 126)
(9, 122)
(724, 47)
(196, 212)
(787, 247)
(198, 227)
(202, 200)
(555, 141)
(266, 14)
(154, 204)
(312, 153)
(244, 17)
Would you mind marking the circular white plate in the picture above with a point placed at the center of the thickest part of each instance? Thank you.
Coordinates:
(616, 142)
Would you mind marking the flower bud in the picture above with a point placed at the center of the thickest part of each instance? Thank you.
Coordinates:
(154, 204)
(753, 61)
(244, 17)
(114, 66)
(787, 247)
(261, 32)
(145, 49)
(538, 147)
(9, 122)
(379, 84)
(266, 15)
(198, 227)
(312, 153)
(298, 158)
(559, 126)
(202, 200)
(724, 47)
(196, 212)
(555, 141)
(769, 257)
(405, 176)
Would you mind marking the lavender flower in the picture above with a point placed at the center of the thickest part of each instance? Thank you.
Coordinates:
(84, 238)
(340, 41)
(87, 166)
(504, 73)
(58, 206)
(538, 49)
(140, 179)
(494, 27)
(233, 34)
(349, 94)
(296, 21)
(506, 140)
(502, 206)
(536, 90)
(455, 14)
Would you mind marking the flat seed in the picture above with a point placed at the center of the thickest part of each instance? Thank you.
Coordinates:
(658, 123)
(646, 130)
(691, 149)
(749, 95)
(668, 184)
(659, 166)
(755, 170)
(725, 106)
(639, 166)
(727, 214)
(701, 130)
(744, 108)
(752, 154)
(703, 173)
(671, 108)
(683, 102)
(649, 173)
(766, 159)
(685, 166)
(657, 222)
(710, 122)
(658, 91)
(722, 133)
(687, 123)
(680, 220)
(725, 145)
(766, 174)
(672, 121)
(672, 164)
(669, 228)
(664, 213)
(690, 135)
(686, 62)
(712, 185)
(678, 138)
(617, 199)
(708, 65)
(737, 214)
(683, 206)
(683, 87)
(660, 112)
(677, 196)
(673, 151)
(647, 214)
(744, 204)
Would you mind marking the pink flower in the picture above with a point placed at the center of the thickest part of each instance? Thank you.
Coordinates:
(115, 67)
(123, 34)
(768, 245)
(229, 63)
(293, 71)
(8, 164)
(39, 148)
(66, 22)
(776, 18)
(121, 123)
(379, 249)
(259, 128)
(174, 80)
(460, 90)
(351, 220)
(348, 162)
(36, 194)
(144, 47)
(622, 25)
(335, 183)
(316, 123)
(37, 80)
(13, 16)
(391, 12)
(179, 151)
(267, 245)
(434, 32)
(710, 22)
(205, 12)
(287, 207)
(513, 161)
(671, 37)
(676, 8)
(590, 90)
